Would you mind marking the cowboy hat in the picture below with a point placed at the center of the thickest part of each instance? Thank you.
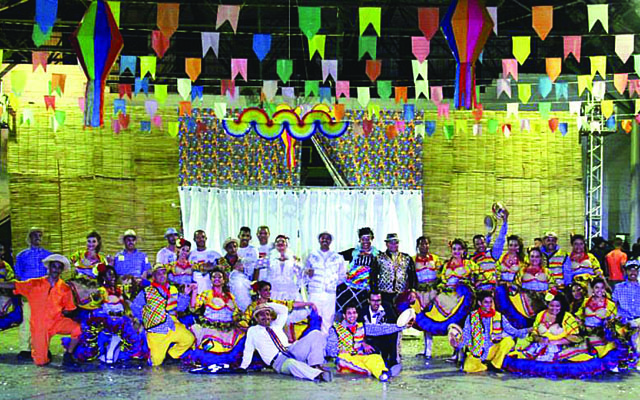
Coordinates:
(59, 258)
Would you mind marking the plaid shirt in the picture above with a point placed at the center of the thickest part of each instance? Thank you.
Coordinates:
(134, 263)
(627, 298)
(29, 263)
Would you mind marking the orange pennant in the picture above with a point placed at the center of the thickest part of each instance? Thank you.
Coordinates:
(374, 67)
(553, 124)
(192, 67)
(620, 82)
(185, 108)
(168, 18)
(401, 93)
(542, 20)
(58, 81)
(391, 132)
(626, 125)
(338, 112)
(554, 66)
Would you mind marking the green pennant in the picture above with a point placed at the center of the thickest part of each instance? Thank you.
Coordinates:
(60, 116)
(384, 89)
(40, 37)
(492, 125)
(478, 95)
(367, 44)
(311, 88)
(173, 128)
(160, 93)
(285, 69)
(309, 20)
(369, 15)
(544, 109)
(449, 130)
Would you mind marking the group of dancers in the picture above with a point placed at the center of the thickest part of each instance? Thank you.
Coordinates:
(541, 311)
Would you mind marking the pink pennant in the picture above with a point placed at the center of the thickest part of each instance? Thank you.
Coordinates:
(367, 126)
(436, 94)
(420, 47)
(160, 43)
(342, 88)
(39, 58)
(157, 121)
(443, 110)
(239, 66)
(228, 13)
(510, 67)
(50, 102)
(572, 45)
(115, 126)
(638, 118)
(634, 87)
(81, 103)
(620, 82)
(400, 126)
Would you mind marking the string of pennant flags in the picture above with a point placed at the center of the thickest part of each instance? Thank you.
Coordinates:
(143, 68)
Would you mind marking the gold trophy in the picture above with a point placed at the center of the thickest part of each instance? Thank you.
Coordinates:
(498, 212)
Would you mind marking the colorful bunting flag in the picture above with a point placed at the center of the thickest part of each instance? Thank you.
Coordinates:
(193, 67)
(367, 44)
(50, 102)
(521, 46)
(384, 89)
(553, 66)
(562, 90)
(228, 13)
(141, 85)
(269, 89)
(46, 13)
(210, 40)
(420, 69)
(620, 82)
(124, 89)
(329, 67)
(572, 45)
(363, 96)
(239, 66)
(309, 20)
(151, 107)
(493, 13)
(503, 86)
(316, 44)
(598, 65)
(284, 69)
(510, 67)
(261, 45)
(544, 108)
(544, 86)
(311, 88)
(57, 83)
(542, 20)
(607, 108)
(598, 12)
(184, 88)
(420, 47)
(119, 106)
(342, 89)
(599, 90)
(428, 21)
(168, 18)
(524, 92)
(128, 63)
(443, 110)
(325, 94)
(373, 69)
(148, 65)
(160, 43)
(401, 94)
(422, 88)
(584, 82)
(624, 46)
(160, 93)
(436, 94)
(512, 110)
(39, 58)
(369, 15)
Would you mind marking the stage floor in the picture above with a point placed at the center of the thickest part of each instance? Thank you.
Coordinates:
(419, 380)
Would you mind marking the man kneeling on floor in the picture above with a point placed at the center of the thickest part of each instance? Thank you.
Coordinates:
(488, 336)
(347, 344)
(303, 359)
(156, 306)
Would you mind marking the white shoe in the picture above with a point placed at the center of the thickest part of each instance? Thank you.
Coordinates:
(395, 370)
(614, 370)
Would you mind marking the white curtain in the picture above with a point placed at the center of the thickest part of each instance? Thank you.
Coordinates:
(303, 213)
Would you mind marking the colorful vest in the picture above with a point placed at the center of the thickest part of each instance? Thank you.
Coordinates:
(508, 273)
(359, 269)
(451, 276)
(555, 263)
(427, 270)
(158, 306)
(478, 339)
(349, 342)
(585, 269)
(486, 271)
(393, 273)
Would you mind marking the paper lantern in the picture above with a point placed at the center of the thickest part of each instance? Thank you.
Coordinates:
(97, 42)
(466, 27)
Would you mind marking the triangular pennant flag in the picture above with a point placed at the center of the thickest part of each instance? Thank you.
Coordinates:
(145, 126)
(160, 93)
(58, 119)
(544, 108)
(220, 109)
(367, 126)
(342, 89)
(309, 20)
(168, 18)
(329, 67)
(420, 47)
(525, 125)
(184, 108)
(373, 69)
(611, 123)
(325, 94)
(448, 130)
(598, 65)
(420, 130)
(184, 88)
(524, 92)
(57, 83)
(544, 86)
(400, 94)
(50, 102)
(384, 89)
(542, 20)
(607, 108)
(477, 112)
(39, 58)
(119, 106)
(148, 65)
(239, 66)
(367, 45)
(510, 67)
(210, 40)
(285, 69)
(269, 89)
(584, 82)
(124, 89)
(493, 13)
(477, 129)
(506, 130)
(363, 96)
(46, 12)
(598, 12)
(369, 15)
(634, 87)
(521, 47)
(160, 43)
(443, 110)
(624, 46)
(422, 88)
(574, 107)
(503, 86)
(227, 86)
(151, 107)
(311, 88)
(492, 125)
(599, 90)
(228, 13)
(39, 38)
(193, 67)
(562, 90)
(430, 127)
(173, 128)
(428, 21)
(141, 85)
(620, 82)
(27, 117)
(420, 69)
(553, 124)
(563, 127)
(338, 112)
(460, 126)
(626, 125)
(316, 44)
(261, 45)
(128, 63)
(572, 45)
(512, 110)
(157, 121)
(436, 94)
(409, 112)
(554, 66)
(124, 120)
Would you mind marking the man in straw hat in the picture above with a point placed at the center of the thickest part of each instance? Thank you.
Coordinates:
(52, 303)
(303, 359)
(156, 307)
(29, 265)
(558, 260)
(626, 295)
(130, 261)
(168, 254)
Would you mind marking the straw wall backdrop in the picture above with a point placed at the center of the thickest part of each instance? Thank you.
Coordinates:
(75, 180)
(537, 175)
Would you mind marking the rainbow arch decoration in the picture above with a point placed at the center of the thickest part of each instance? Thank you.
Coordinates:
(285, 120)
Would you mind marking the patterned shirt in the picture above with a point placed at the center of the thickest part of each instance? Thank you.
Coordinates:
(329, 270)
(168, 325)
(487, 325)
(133, 263)
(29, 263)
(381, 329)
(627, 297)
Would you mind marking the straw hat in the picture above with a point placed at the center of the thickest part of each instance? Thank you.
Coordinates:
(228, 241)
(31, 230)
(263, 307)
(59, 258)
